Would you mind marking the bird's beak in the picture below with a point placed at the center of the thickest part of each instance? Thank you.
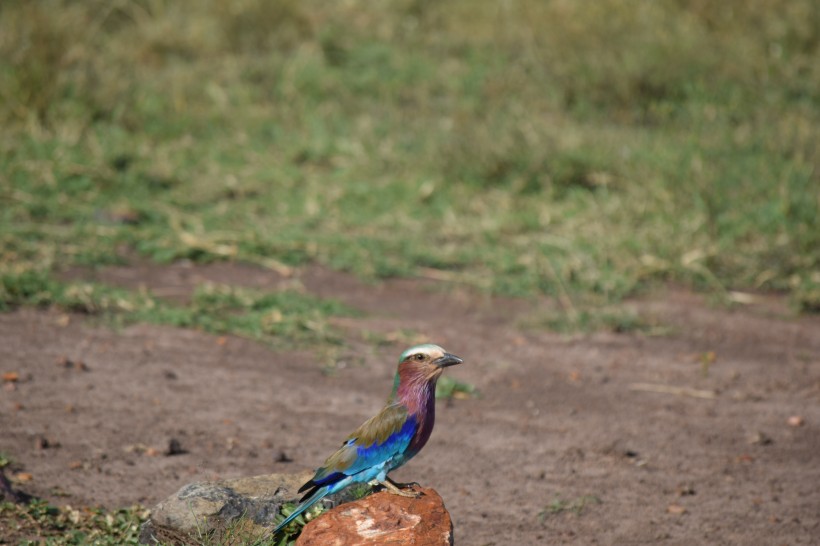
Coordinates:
(447, 360)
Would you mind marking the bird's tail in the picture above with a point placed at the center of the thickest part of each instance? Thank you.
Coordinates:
(318, 495)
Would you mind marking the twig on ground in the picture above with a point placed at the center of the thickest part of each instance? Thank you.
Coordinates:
(669, 389)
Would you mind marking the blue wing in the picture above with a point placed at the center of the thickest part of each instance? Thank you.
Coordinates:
(381, 440)
(375, 448)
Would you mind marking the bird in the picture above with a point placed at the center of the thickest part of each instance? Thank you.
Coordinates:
(388, 439)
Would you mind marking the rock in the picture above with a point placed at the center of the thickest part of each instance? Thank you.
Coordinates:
(215, 508)
(383, 518)
(240, 509)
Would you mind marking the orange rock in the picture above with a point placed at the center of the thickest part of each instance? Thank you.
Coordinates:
(383, 518)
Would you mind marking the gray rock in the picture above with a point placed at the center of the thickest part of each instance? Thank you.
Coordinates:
(216, 509)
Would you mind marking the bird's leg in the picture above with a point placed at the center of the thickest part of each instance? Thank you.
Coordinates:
(393, 488)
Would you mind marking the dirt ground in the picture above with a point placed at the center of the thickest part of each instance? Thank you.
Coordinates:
(610, 438)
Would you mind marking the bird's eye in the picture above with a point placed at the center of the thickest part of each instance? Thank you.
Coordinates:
(419, 357)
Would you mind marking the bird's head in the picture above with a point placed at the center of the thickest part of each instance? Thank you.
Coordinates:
(423, 364)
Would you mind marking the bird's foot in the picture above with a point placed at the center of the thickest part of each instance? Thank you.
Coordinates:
(403, 485)
(394, 489)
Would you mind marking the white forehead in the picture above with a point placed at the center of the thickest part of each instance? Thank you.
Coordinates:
(428, 349)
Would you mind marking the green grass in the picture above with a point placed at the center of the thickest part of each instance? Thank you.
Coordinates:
(53, 526)
(39, 523)
(575, 506)
(525, 148)
(294, 528)
(284, 318)
(448, 388)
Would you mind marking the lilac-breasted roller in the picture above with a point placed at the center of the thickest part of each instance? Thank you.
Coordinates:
(391, 437)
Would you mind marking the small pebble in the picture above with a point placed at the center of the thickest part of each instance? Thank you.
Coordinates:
(795, 421)
(175, 448)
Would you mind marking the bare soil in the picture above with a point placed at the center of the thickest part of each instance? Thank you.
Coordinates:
(610, 438)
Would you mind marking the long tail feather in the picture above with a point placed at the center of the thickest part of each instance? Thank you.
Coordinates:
(318, 495)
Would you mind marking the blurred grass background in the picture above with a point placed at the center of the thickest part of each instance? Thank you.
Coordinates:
(584, 150)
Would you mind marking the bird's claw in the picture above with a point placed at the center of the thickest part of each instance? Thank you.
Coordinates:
(393, 488)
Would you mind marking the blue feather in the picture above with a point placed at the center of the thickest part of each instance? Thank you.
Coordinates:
(370, 462)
